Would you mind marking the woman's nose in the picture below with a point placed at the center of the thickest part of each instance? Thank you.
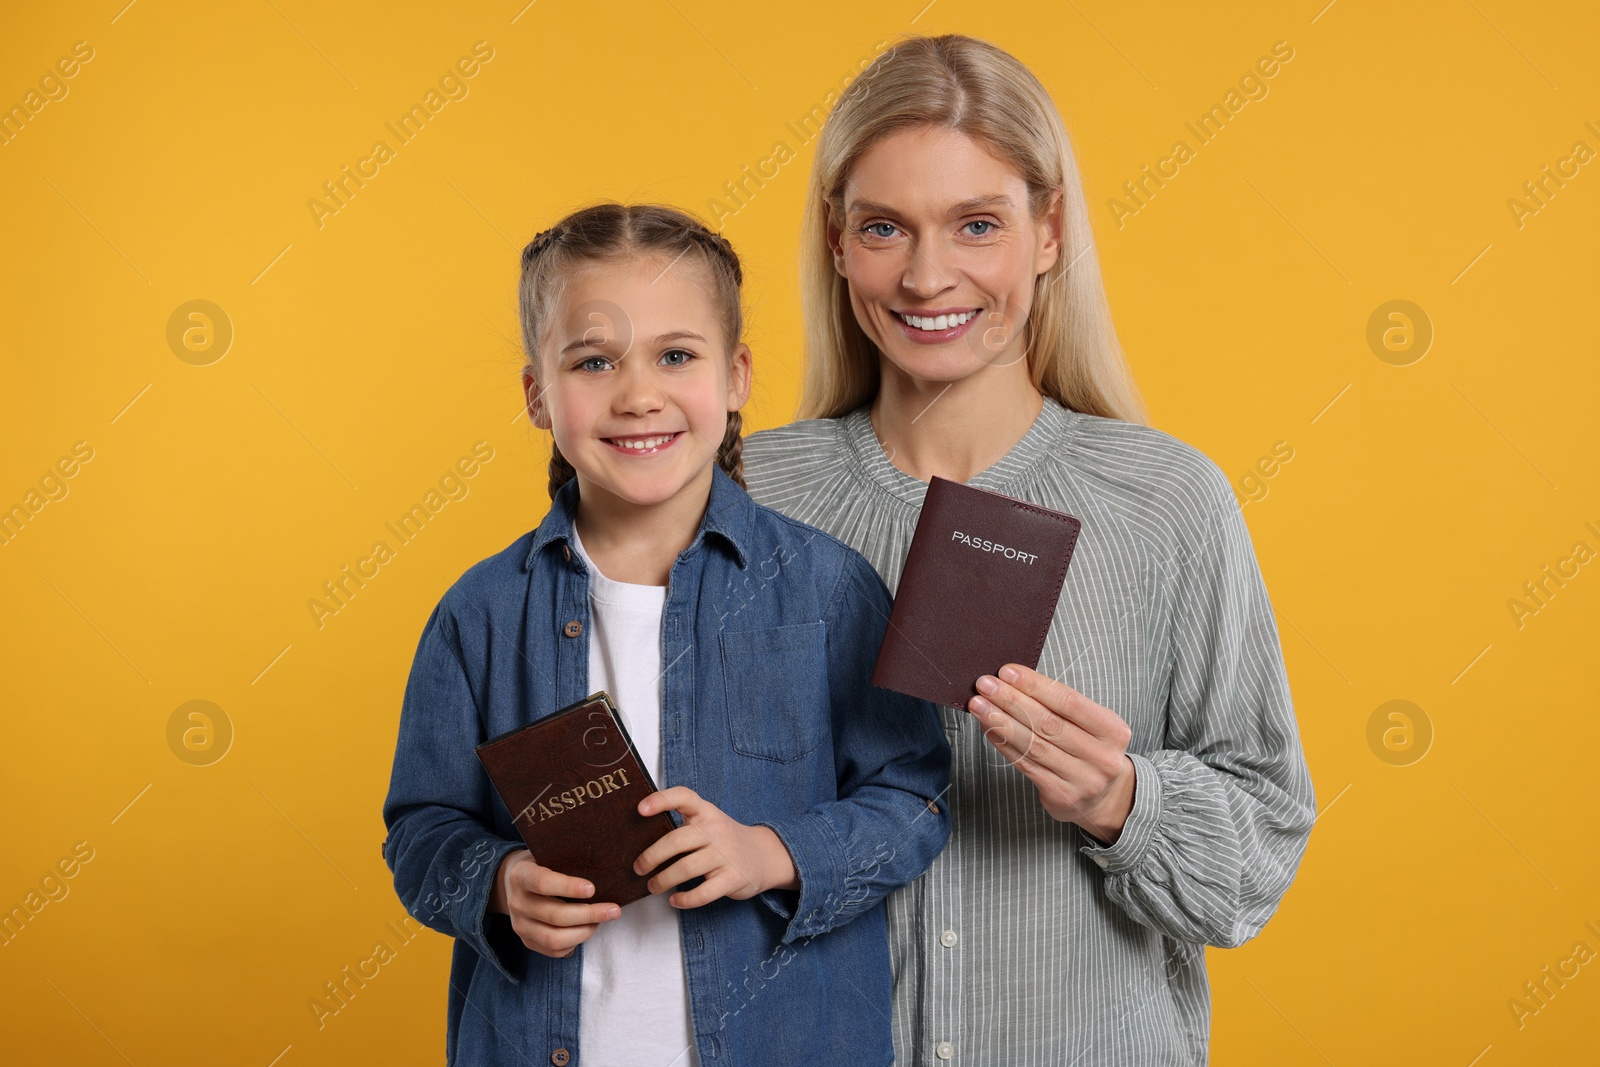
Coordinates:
(925, 273)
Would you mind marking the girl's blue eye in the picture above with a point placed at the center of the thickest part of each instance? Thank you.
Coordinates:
(870, 228)
(583, 364)
(669, 353)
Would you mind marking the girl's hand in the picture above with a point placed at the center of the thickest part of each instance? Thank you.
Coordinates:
(548, 925)
(1074, 751)
(738, 861)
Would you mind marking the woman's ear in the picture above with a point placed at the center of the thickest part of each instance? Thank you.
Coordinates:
(535, 401)
(1049, 231)
(739, 366)
(835, 237)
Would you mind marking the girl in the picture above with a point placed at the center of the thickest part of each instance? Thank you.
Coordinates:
(737, 644)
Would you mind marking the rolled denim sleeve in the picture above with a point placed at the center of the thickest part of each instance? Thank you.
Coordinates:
(1221, 814)
(440, 846)
(893, 768)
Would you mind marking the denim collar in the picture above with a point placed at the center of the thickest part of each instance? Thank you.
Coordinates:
(728, 514)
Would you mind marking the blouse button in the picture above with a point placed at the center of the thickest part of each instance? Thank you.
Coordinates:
(572, 629)
(566, 552)
(933, 806)
(560, 1057)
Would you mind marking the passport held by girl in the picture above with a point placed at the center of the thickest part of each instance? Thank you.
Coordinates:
(737, 643)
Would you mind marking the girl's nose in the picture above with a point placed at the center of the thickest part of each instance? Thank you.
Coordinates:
(637, 390)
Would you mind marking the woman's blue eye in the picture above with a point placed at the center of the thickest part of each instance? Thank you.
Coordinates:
(981, 222)
(669, 353)
(870, 228)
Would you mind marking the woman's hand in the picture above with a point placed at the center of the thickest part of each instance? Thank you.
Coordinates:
(737, 861)
(548, 925)
(1074, 751)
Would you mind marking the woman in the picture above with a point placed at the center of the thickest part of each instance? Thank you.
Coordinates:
(1142, 794)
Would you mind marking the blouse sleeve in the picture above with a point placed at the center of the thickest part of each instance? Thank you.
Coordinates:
(1222, 813)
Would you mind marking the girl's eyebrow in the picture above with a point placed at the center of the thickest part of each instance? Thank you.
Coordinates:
(871, 207)
(671, 335)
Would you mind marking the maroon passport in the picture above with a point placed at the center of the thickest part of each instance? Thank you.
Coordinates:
(572, 782)
(978, 591)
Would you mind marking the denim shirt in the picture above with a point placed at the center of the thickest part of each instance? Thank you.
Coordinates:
(769, 634)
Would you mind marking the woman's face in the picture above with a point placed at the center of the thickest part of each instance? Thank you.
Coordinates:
(941, 252)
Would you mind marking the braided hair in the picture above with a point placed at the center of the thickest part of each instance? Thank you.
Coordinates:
(611, 230)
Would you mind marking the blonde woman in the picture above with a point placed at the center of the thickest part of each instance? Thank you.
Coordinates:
(1142, 794)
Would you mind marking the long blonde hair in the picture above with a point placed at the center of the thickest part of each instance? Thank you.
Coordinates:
(964, 84)
(608, 232)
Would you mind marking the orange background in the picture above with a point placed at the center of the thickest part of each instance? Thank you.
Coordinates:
(372, 351)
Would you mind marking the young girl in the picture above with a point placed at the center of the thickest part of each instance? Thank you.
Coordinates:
(738, 645)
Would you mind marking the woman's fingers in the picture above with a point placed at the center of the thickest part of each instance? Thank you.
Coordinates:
(1066, 702)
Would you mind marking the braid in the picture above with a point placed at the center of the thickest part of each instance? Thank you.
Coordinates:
(719, 247)
(561, 472)
(730, 457)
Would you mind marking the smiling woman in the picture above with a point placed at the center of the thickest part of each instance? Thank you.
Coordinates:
(1142, 794)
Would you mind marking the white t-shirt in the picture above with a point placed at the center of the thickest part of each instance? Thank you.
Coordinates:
(635, 1005)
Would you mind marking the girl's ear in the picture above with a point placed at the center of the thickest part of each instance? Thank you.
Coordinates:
(535, 400)
(739, 366)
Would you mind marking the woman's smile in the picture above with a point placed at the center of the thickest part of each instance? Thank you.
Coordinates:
(937, 325)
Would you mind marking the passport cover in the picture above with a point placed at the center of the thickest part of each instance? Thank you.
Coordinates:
(978, 591)
(572, 782)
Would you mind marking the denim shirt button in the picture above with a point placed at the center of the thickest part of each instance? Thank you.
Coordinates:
(572, 629)
(560, 1057)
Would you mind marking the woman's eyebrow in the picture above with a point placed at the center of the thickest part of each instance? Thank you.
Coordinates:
(872, 207)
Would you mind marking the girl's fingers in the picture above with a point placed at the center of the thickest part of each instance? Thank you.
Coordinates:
(548, 883)
(711, 889)
(562, 913)
(670, 844)
(679, 798)
(701, 861)
(556, 941)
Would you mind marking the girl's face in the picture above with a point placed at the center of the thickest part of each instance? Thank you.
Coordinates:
(940, 252)
(635, 378)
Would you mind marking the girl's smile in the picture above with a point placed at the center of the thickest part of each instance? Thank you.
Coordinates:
(644, 445)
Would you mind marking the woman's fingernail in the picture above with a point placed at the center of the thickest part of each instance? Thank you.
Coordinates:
(981, 706)
(1008, 673)
(987, 684)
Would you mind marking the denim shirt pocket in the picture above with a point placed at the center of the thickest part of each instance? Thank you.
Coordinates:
(775, 681)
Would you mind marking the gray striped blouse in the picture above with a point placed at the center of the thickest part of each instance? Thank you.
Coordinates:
(1028, 943)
